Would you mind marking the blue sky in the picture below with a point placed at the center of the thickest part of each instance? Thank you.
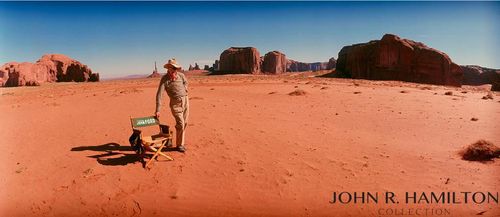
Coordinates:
(124, 38)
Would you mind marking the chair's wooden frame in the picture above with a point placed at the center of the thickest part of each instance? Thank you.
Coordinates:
(153, 143)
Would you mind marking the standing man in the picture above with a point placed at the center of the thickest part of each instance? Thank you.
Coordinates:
(175, 83)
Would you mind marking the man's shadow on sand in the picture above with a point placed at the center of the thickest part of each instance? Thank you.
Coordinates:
(124, 154)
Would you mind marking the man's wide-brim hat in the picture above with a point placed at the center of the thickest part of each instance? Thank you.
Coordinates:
(172, 63)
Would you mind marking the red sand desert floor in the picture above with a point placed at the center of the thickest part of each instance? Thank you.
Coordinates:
(253, 149)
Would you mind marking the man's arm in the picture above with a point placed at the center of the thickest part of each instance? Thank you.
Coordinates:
(159, 93)
(185, 82)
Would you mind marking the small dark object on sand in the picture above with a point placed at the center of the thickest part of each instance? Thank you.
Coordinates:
(448, 93)
(298, 92)
(488, 96)
(481, 150)
(481, 213)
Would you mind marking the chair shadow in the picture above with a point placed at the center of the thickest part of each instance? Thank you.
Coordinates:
(124, 154)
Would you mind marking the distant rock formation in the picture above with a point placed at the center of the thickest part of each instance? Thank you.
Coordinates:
(274, 63)
(215, 66)
(155, 73)
(240, 60)
(317, 66)
(206, 68)
(296, 66)
(49, 68)
(477, 75)
(15, 74)
(393, 58)
(332, 63)
(195, 67)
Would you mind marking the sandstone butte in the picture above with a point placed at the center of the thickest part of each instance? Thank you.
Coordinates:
(274, 63)
(240, 60)
(394, 58)
(247, 60)
(49, 68)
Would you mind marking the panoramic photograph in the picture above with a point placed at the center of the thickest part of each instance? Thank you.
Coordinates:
(279, 108)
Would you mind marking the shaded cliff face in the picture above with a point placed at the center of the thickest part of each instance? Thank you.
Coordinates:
(274, 63)
(240, 60)
(393, 58)
(49, 68)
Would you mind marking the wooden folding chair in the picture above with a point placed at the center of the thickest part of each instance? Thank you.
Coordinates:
(154, 143)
